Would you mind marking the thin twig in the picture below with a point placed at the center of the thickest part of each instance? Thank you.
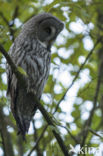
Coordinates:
(74, 138)
(38, 140)
(38, 150)
(89, 121)
(75, 78)
(15, 14)
(95, 133)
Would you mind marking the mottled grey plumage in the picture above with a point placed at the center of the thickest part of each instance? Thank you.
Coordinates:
(31, 51)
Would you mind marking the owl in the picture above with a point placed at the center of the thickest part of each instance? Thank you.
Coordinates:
(31, 52)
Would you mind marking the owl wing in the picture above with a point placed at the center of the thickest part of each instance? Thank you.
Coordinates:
(17, 54)
(9, 71)
(12, 86)
(19, 97)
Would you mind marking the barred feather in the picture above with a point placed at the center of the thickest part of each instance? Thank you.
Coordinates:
(37, 68)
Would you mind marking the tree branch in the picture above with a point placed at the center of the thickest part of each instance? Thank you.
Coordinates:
(15, 14)
(47, 117)
(6, 138)
(54, 130)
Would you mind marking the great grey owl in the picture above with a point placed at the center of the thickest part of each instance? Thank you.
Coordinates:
(31, 51)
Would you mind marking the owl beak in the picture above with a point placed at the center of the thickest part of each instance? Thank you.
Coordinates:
(60, 27)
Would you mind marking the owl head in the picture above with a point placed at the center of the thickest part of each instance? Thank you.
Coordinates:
(45, 27)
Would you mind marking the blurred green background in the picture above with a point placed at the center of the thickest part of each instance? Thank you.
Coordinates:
(74, 90)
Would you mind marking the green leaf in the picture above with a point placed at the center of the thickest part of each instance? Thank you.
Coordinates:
(47, 8)
(22, 71)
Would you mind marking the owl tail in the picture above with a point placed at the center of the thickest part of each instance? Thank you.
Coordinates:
(23, 126)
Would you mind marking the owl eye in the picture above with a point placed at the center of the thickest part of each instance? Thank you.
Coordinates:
(48, 30)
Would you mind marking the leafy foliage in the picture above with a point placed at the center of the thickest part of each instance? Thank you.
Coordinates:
(71, 95)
